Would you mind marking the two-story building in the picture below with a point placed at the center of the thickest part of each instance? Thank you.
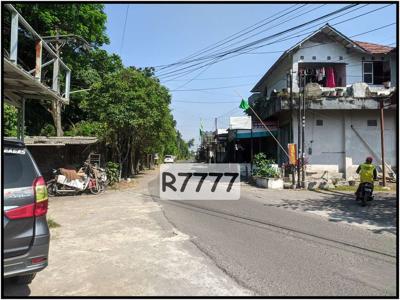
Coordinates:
(344, 83)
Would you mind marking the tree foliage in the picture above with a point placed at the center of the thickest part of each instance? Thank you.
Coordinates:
(10, 115)
(135, 110)
(126, 107)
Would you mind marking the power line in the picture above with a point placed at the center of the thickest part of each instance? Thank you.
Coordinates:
(217, 78)
(230, 111)
(123, 31)
(212, 46)
(212, 88)
(277, 41)
(221, 55)
(182, 62)
(201, 72)
(205, 102)
(202, 64)
(271, 36)
(271, 27)
(362, 33)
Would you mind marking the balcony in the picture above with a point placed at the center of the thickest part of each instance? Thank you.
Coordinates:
(347, 98)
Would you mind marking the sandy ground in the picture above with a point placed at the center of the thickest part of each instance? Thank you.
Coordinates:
(120, 244)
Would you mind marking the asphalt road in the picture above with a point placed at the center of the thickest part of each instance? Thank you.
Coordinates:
(283, 252)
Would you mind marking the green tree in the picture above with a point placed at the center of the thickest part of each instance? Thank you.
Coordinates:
(87, 20)
(10, 120)
(135, 110)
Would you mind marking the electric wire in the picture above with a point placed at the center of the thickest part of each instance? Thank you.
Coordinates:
(282, 32)
(124, 29)
(181, 73)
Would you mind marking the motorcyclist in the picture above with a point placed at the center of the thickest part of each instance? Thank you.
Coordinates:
(367, 173)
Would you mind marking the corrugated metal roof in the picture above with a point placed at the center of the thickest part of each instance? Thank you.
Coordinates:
(59, 141)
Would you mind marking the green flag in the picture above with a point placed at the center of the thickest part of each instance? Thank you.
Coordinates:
(244, 105)
(201, 128)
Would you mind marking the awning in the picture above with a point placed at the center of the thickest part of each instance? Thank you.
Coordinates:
(248, 135)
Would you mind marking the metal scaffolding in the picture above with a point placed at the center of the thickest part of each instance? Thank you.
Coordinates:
(21, 84)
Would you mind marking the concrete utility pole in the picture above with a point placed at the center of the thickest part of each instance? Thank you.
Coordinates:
(56, 105)
(291, 103)
(383, 144)
(59, 41)
(303, 171)
(298, 137)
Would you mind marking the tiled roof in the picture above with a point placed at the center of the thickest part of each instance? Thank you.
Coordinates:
(374, 48)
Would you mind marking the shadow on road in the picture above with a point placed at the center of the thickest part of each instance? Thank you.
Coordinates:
(341, 207)
(11, 289)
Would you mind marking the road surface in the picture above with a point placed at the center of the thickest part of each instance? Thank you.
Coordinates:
(277, 249)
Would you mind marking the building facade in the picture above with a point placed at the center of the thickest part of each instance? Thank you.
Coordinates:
(343, 84)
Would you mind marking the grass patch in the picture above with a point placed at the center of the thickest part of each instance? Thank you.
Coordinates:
(377, 188)
(52, 223)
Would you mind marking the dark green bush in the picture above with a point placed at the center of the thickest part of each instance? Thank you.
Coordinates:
(264, 167)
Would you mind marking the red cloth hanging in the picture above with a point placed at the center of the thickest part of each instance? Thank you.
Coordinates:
(330, 77)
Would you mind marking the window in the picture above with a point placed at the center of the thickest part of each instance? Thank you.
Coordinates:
(376, 72)
(302, 57)
(372, 123)
(340, 57)
(319, 122)
(368, 72)
(328, 58)
(314, 57)
(20, 170)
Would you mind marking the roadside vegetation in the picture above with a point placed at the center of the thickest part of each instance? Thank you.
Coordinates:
(377, 188)
(52, 223)
(125, 107)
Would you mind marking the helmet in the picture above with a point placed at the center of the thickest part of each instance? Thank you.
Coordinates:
(369, 159)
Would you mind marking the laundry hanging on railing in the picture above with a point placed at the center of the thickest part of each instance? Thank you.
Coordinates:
(330, 77)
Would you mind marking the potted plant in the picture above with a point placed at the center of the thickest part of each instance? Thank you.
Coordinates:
(265, 174)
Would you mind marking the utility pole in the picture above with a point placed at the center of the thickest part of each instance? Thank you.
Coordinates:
(251, 147)
(299, 136)
(383, 144)
(216, 141)
(59, 41)
(291, 103)
(303, 173)
(56, 105)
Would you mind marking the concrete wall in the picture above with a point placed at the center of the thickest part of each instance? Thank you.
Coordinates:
(335, 147)
(278, 77)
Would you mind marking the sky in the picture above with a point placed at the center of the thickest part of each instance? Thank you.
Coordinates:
(161, 34)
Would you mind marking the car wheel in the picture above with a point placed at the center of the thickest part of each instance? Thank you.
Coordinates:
(25, 279)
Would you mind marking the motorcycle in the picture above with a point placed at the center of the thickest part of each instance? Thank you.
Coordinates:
(365, 193)
(91, 179)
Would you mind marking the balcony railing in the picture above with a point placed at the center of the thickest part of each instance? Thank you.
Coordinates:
(12, 59)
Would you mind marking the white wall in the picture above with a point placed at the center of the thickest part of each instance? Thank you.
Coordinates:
(358, 150)
(278, 77)
(337, 148)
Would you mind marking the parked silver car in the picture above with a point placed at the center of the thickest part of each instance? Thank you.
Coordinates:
(26, 234)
